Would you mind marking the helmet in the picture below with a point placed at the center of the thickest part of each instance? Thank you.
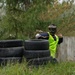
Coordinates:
(52, 28)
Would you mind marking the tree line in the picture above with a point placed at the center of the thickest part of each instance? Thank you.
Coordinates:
(23, 17)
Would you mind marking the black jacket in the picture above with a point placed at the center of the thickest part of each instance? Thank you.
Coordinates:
(45, 35)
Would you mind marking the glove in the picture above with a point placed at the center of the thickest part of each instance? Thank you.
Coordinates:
(37, 36)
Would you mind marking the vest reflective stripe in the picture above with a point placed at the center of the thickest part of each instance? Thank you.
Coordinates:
(53, 45)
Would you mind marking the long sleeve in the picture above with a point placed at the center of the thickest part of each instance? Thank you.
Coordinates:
(43, 35)
(60, 40)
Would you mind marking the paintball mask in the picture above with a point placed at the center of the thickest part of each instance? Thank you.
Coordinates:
(52, 29)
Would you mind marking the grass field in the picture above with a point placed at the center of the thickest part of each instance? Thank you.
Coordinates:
(64, 68)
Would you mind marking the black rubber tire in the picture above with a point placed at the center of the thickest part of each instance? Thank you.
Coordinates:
(36, 44)
(39, 61)
(4, 61)
(11, 52)
(36, 53)
(11, 43)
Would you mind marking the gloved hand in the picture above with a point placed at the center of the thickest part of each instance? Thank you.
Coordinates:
(59, 35)
(37, 36)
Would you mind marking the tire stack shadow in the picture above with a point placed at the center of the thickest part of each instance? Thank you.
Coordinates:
(37, 52)
(11, 51)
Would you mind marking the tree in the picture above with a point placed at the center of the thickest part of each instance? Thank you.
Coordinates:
(24, 17)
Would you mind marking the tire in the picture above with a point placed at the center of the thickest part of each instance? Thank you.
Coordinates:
(11, 52)
(30, 54)
(39, 61)
(4, 61)
(11, 43)
(36, 44)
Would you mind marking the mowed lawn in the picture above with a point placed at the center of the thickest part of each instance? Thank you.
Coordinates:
(63, 68)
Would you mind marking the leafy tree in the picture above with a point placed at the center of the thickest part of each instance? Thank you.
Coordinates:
(24, 17)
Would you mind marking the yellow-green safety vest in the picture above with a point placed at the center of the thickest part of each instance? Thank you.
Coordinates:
(53, 45)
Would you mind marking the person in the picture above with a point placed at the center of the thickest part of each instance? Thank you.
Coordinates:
(53, 39)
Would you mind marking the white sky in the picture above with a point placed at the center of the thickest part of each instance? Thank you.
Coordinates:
(60, 1)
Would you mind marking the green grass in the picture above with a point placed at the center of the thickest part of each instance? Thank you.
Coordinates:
(64, 68)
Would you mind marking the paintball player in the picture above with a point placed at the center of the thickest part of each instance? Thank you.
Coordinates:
(54, 39)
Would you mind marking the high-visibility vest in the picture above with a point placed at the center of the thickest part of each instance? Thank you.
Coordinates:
(53, 44)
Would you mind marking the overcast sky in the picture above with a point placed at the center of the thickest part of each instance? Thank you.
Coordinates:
(60, 1)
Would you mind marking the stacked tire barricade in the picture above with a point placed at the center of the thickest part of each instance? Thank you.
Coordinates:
(11, 51)
(37, 51)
